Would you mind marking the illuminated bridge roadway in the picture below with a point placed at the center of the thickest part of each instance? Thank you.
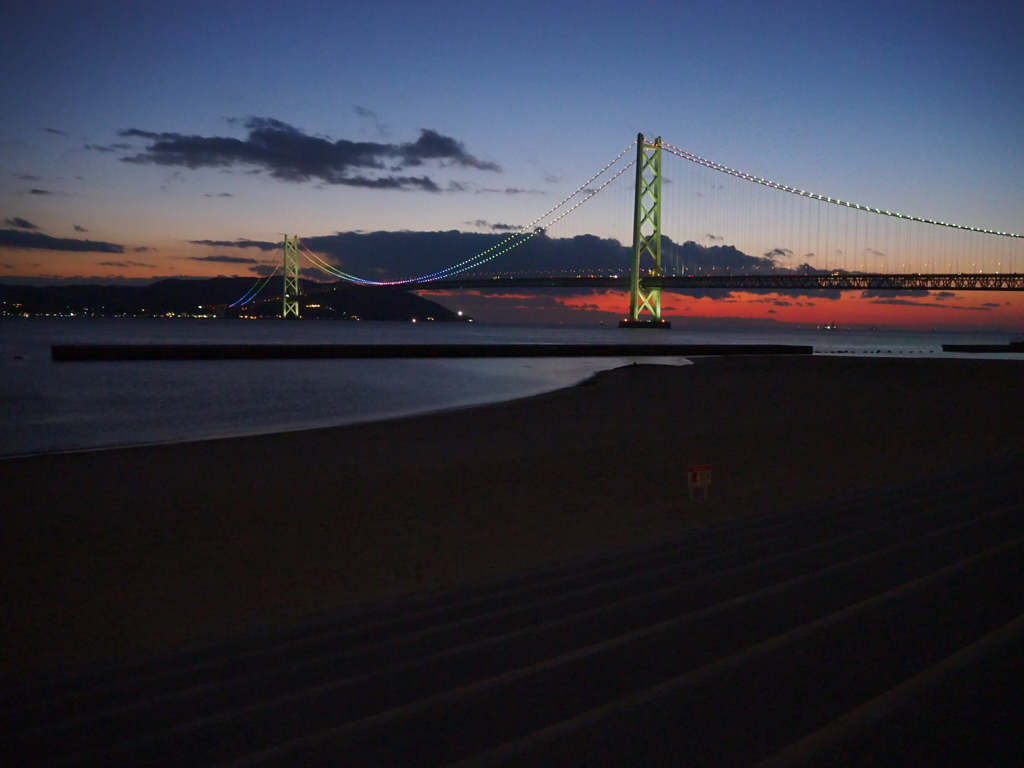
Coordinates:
(834, 282)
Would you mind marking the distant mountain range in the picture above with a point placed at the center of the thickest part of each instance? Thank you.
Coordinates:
(213, 297)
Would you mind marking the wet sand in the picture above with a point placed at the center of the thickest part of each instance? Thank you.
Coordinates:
(119, 553)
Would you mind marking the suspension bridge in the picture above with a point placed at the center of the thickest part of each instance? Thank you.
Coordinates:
(729, 230)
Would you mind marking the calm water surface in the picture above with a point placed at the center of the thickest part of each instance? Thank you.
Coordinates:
(47, 406)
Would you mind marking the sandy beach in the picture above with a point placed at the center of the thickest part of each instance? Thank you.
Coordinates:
(120, 553)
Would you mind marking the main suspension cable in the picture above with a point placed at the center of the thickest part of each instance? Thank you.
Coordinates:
(256, 289)
(511, 241)
(740, 175)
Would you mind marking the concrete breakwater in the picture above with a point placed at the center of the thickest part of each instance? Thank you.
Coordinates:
(112, 352)
(1013, 346)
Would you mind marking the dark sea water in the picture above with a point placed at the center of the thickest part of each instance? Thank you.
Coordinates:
(47, 406)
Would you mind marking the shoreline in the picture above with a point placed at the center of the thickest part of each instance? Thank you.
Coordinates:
(179, 542)
(120, 352)
(374, 419)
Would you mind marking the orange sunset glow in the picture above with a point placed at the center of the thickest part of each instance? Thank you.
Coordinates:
(990, 310)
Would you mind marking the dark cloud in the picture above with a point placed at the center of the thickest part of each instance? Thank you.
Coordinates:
(944, 295)
(778, 253)
(142, 249)
(16, 239)
(80, 229)
(891, 294)
(54, 279)
(262, 245)
(411, 254)
(416, 253)
(931, 305)
(779, 302)
(382, 129)
(222, 194)
(691, 257)
(40, 192)
(290, 154)
(402, 183)
(20, 223)
(509, 191)
(26, 177)
(306, 273)
(431, 145)
(712, 238)
(119, 147)
(496, 227)
(772, 312)
(224, 259)
(990, 304)
(125, 264)
(55, 132)
(8, 266)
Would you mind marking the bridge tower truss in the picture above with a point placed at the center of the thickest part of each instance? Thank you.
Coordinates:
(646, 237)
(290, 293)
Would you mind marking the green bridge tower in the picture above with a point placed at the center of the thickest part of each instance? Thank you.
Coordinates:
(290, 293)
(646, 237)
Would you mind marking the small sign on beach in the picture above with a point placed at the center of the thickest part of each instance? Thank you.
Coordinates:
(700, 477)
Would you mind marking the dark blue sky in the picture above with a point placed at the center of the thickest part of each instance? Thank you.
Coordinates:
(910, 106)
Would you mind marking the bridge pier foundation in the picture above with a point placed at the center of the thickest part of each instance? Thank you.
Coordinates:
(653, 323)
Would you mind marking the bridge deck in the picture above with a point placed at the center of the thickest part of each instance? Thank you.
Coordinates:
(832, 282)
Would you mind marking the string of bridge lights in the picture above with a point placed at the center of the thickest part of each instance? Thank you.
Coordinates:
(532, 229)
(740, 175)
(257, 288)
(512, 241)
(324, 266)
